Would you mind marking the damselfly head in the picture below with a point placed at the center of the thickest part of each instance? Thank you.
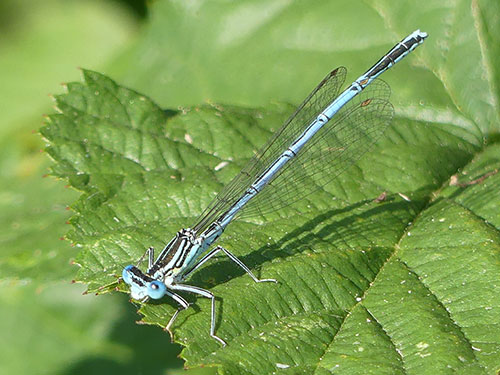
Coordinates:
(141, 285)
(152, 289)
(126, 274)
(156, 289)
(138, 292)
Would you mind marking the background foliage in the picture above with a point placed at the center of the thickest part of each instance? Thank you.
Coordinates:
(397, 286)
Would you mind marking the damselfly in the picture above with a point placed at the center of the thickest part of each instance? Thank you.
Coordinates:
(326, 134)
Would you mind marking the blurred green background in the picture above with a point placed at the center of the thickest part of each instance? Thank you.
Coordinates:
(47, 326)
(179, 53)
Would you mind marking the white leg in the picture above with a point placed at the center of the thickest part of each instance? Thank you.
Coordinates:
(183, 305)
(207, 294)
(150, 252)
(201, 262)
(233, 258)
(151, 257)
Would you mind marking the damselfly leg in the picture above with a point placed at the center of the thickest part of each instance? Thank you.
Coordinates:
(233, 258)
(204, 293)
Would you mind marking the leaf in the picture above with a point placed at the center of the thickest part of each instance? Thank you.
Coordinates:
(352, 272)
(391, 287)
(31, 232)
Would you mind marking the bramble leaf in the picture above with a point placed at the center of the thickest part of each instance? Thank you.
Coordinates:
(407, 284)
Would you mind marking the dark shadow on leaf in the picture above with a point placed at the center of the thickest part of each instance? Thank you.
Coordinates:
(337, 228)
(170, 113)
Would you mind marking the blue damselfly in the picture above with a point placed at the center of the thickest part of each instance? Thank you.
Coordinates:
(326, 134)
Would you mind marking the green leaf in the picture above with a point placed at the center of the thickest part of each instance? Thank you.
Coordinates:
(398, 286)
(352, 271)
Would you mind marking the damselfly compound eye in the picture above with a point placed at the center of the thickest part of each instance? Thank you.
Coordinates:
(126, 274)
(156, 289)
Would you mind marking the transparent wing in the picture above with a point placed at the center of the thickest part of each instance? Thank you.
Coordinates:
(339, 144)
(322, 95)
